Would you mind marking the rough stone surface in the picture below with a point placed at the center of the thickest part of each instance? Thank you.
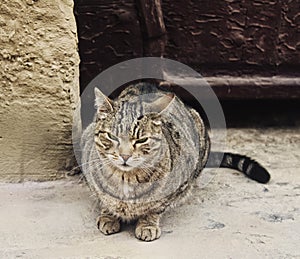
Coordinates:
(227, 217)
(39, 88)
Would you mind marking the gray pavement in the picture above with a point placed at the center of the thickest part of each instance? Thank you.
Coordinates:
(227, 217)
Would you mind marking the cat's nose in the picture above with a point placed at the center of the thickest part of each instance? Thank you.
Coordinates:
(125, 157)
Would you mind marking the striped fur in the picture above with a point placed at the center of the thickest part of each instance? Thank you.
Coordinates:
(142, 155)
(244, 164)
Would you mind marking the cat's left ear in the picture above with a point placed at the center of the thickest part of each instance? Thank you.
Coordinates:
(162, 104)
(103, 104)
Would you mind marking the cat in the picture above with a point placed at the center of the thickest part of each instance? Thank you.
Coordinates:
(142, 154)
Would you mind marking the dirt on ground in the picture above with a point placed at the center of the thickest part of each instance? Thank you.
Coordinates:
(228, 216)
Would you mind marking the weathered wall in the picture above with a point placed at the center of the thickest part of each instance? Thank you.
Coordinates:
(234, 37)
(39, 88)
(245, 49)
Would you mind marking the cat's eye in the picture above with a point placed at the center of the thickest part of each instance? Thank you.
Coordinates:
(112, 137)
(141, 140)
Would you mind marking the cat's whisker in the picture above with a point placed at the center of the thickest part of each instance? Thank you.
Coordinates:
(149, 166)
(100, 165)
(81, 178)
(79, 166)
(148, 171)
(93, 195)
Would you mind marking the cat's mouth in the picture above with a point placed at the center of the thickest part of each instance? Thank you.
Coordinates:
(125, 167)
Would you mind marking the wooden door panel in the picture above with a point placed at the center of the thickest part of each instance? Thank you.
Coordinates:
(245, 49)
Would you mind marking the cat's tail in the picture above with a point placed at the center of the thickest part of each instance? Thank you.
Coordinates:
(244, 164)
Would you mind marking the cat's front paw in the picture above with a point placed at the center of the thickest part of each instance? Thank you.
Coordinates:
(147, 232)
(108, 225)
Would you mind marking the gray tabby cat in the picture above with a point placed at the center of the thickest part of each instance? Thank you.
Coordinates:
(142, 155)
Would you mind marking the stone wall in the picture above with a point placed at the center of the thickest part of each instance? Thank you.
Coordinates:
(39, 88)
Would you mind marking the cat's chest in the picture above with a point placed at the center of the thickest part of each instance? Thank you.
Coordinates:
(129, 209)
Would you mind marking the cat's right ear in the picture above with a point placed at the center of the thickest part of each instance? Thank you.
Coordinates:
(103, 104)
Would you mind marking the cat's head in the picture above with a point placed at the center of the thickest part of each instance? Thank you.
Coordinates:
(126, 138)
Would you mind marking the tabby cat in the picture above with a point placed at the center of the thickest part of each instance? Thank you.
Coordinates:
(142, 155)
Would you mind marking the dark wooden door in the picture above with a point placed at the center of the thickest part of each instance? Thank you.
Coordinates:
(245, 49)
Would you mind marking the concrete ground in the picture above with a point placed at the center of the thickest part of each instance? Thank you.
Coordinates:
(227, 217)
